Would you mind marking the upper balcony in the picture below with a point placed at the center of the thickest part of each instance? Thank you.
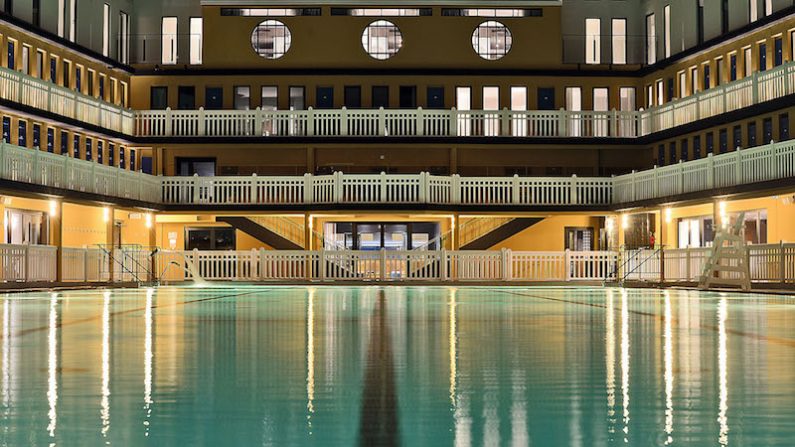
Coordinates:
(758, 88)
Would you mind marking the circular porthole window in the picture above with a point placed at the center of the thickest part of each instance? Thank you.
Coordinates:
(382, 39)
(271, 39)
(492, 40)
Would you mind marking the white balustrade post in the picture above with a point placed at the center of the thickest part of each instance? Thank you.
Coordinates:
(310, 122)
(656, 182)
(344, 121)
(755, 88)
(169, 123)
(774, 162)
(382, 121)
(322, 260)
(507, 257)
(573, 199)
(3, 162)
(681, 177)
(562, 128)
(383, 264)
(338, 187)
(453, 122)
(738, 167)
(259, 123)
(309, 190)
(49, 97)
(687, 264)
(567, 265)
(443, 264)
(614, 123)
(515, 193)
(455, 189)
(423, 193)
(420, 122)
(782, 267)
(262, 264)
(505, 122)
(196, 194)
(35, 174)
(202, 130)
(382, 189)
(253, 189)
(710, 171)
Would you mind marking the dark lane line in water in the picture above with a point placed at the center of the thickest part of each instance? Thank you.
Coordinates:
(378, 424)
(61, 324)
(770, 339)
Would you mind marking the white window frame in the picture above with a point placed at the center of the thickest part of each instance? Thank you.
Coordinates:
(124, 38)
(593, 38)
(651, 39)
(61, 17)
(168, 41)
(73, 20)
(105, 29)
(196, 40)
(667, 30)
(753, 11)
(619, 37)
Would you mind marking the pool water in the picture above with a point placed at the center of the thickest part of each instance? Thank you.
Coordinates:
(408, 366)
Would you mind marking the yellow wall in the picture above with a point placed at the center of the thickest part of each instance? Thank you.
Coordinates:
(549, 234)
(83, 226)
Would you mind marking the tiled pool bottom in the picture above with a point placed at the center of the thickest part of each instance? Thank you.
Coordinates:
(397, 366)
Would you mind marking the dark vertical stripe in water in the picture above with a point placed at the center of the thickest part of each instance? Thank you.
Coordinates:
(378, 422)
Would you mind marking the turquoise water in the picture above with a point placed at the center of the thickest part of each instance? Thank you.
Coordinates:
(397, 366)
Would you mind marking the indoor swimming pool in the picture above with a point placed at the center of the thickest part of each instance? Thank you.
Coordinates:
(408, 366)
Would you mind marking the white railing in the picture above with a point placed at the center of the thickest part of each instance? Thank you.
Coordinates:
(34, 92)
(774, 161)
(38, 167)
(759, 87)
(84, 265)
(767, 262)
(420, 188)
(28, 263)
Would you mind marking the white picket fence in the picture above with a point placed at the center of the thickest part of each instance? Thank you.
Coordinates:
(84, 265)
(384, 265)
(47, 96)
(28, 263)
(768, 263)
(759, 87)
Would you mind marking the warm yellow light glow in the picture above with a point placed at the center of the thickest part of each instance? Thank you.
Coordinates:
(624, 221)
(724, 217)
(106, 214)
(610, 224)
(668, 215)
(148, 221)
(53, 208)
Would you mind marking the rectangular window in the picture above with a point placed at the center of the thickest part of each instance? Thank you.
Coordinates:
(778, 51)
(718, 71)
(767, 130)
(649, 95)
(105, 29)
(660, 92)
(66, 76)
(768, 7)
(463, 102)
(124, 38)
(651, 40)
(682, 84)
(64, 143)
(694, 80)
(733, 67)
(619, 32)
(196, 40)
(7, 129)
(40, 64)
(592, 41)
(700, 21)
(89, 154)
(61, 17)
(684, 149)
(491, 101)
(667, 30)
(50, 140)
(186, 97)
(710, 143)
(26, 59)
(324, 97)
(352, 96)
(132, 160)
(102, 86)
(380, 96)
(696, 147)
(158, 98)
(37, 136)
(747, 62)
(100, 154)
(783, 127)
(752, 134)
(753, 10)
(435, 97)
(574, 104)
(122, 158)
(762, 57)
(90, 83)
(297, 98)
(407, 97)
(79, 78)
(242, 100)
(111, 154)
(518, 104)
(661, 155)
(724, 16)
(723, 141)
(22, 133)
(168, 41)
(12, 53)
(73, 20)
(737, 137)
(213, 98)
(672, 155)
(707, 81)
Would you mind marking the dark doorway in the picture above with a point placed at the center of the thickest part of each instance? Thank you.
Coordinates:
(203, 167)
(435, 98)
(214, 98)
(353, 96)
(408, 97)
(325, 98)
(546, 98)
(186, 97)
(380, 96)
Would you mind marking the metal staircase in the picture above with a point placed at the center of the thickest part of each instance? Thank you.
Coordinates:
(129, 263)
(633, 263)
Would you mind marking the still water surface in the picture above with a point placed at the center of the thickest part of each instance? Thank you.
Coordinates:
(397, 366)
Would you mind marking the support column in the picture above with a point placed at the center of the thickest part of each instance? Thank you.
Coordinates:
(108, 214)
(56, 235)
(152, 230)
(308, 232)
(453, 160)
(158, 161)
(310, 160)
(456, 231)
(661, 243)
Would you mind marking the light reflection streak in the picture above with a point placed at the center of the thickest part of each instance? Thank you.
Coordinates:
(669, 370)
(723, 419)
(610, 360)
(52, 366)
(104, 411)
(310, 359)
(7, 355)
(452, 342)
(519, 434)
(148, 357)
(625, 362)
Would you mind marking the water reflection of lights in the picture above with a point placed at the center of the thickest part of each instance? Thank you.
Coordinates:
(7, 355)
(104, 411)
(723, 419)
(610, 361)
(669, 370)
(148, 356)
(453, 347)
(52, 366)
(625, 361)
(310, 358)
